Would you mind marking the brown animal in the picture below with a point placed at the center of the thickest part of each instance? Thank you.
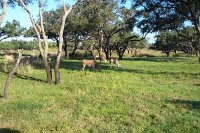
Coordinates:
(114, 60)
(88, 63)
(8, 57)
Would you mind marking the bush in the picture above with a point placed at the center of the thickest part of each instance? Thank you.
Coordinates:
(6, 67)
(25, 69)
(80, 54)
(15, 44)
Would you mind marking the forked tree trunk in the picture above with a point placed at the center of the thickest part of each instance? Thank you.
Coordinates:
(39, 29)
(5, 92)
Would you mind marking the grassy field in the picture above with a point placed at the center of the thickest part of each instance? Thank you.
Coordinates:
(143, 95)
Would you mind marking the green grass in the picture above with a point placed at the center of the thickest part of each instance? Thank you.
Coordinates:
(143, 95)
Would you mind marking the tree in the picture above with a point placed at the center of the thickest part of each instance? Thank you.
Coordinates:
(52, 21)
(11, 29)
(43, 45)
(189, 40)
(167, 41)
(121, 23)
(154, 16)
(123, 40)
(5, 3)
(106, 18)
(134, 46)
(75, 27)
(96, 14)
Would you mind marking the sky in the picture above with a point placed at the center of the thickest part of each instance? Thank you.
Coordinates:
(22, 16)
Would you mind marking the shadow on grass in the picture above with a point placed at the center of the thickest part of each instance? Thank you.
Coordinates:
(189, 103)
(66, 64)
(25, 77)
(157, 59)
(71, 64)
(7, 130)
(140, 71)
(77, 65)
(196, 84)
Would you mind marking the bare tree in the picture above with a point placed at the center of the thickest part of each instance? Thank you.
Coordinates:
(43, 44)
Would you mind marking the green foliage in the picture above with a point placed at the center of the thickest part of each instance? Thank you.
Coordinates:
(24, 69)
(184, 40)
(11, 29)
(18, 44)
(167, 41)
(164, 15)
(159, 15)
(143, 95)
(21, 44)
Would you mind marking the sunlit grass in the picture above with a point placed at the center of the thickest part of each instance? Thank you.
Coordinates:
(143, 95)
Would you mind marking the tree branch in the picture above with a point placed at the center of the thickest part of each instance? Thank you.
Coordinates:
(35, 26)
(4, 8)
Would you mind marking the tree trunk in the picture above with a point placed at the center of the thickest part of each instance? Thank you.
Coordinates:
(39, 29)
(100, 55)
(5, 92)
(65, 48)
(56, 68)
(74, 52)
(135, 52)
(107, 53)
(197, 53)
(75, 47)
(121, 54)
(107, 47)
(57, 43)
(4, 8)
(57, 64)
(110, 53)
(168, 53)
(175, 52)
(48, 70)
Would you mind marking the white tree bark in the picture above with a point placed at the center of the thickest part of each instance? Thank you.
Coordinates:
(4, 9)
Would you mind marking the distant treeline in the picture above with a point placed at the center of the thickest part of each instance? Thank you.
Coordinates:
(19, 44)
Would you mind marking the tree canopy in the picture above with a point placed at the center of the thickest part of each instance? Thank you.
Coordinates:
(11, 29)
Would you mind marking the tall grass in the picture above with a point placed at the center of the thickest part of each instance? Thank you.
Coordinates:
(143, 95)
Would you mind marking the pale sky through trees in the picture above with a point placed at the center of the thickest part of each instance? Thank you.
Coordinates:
(22, 16)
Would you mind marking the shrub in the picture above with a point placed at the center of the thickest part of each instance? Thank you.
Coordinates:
(23, 68)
